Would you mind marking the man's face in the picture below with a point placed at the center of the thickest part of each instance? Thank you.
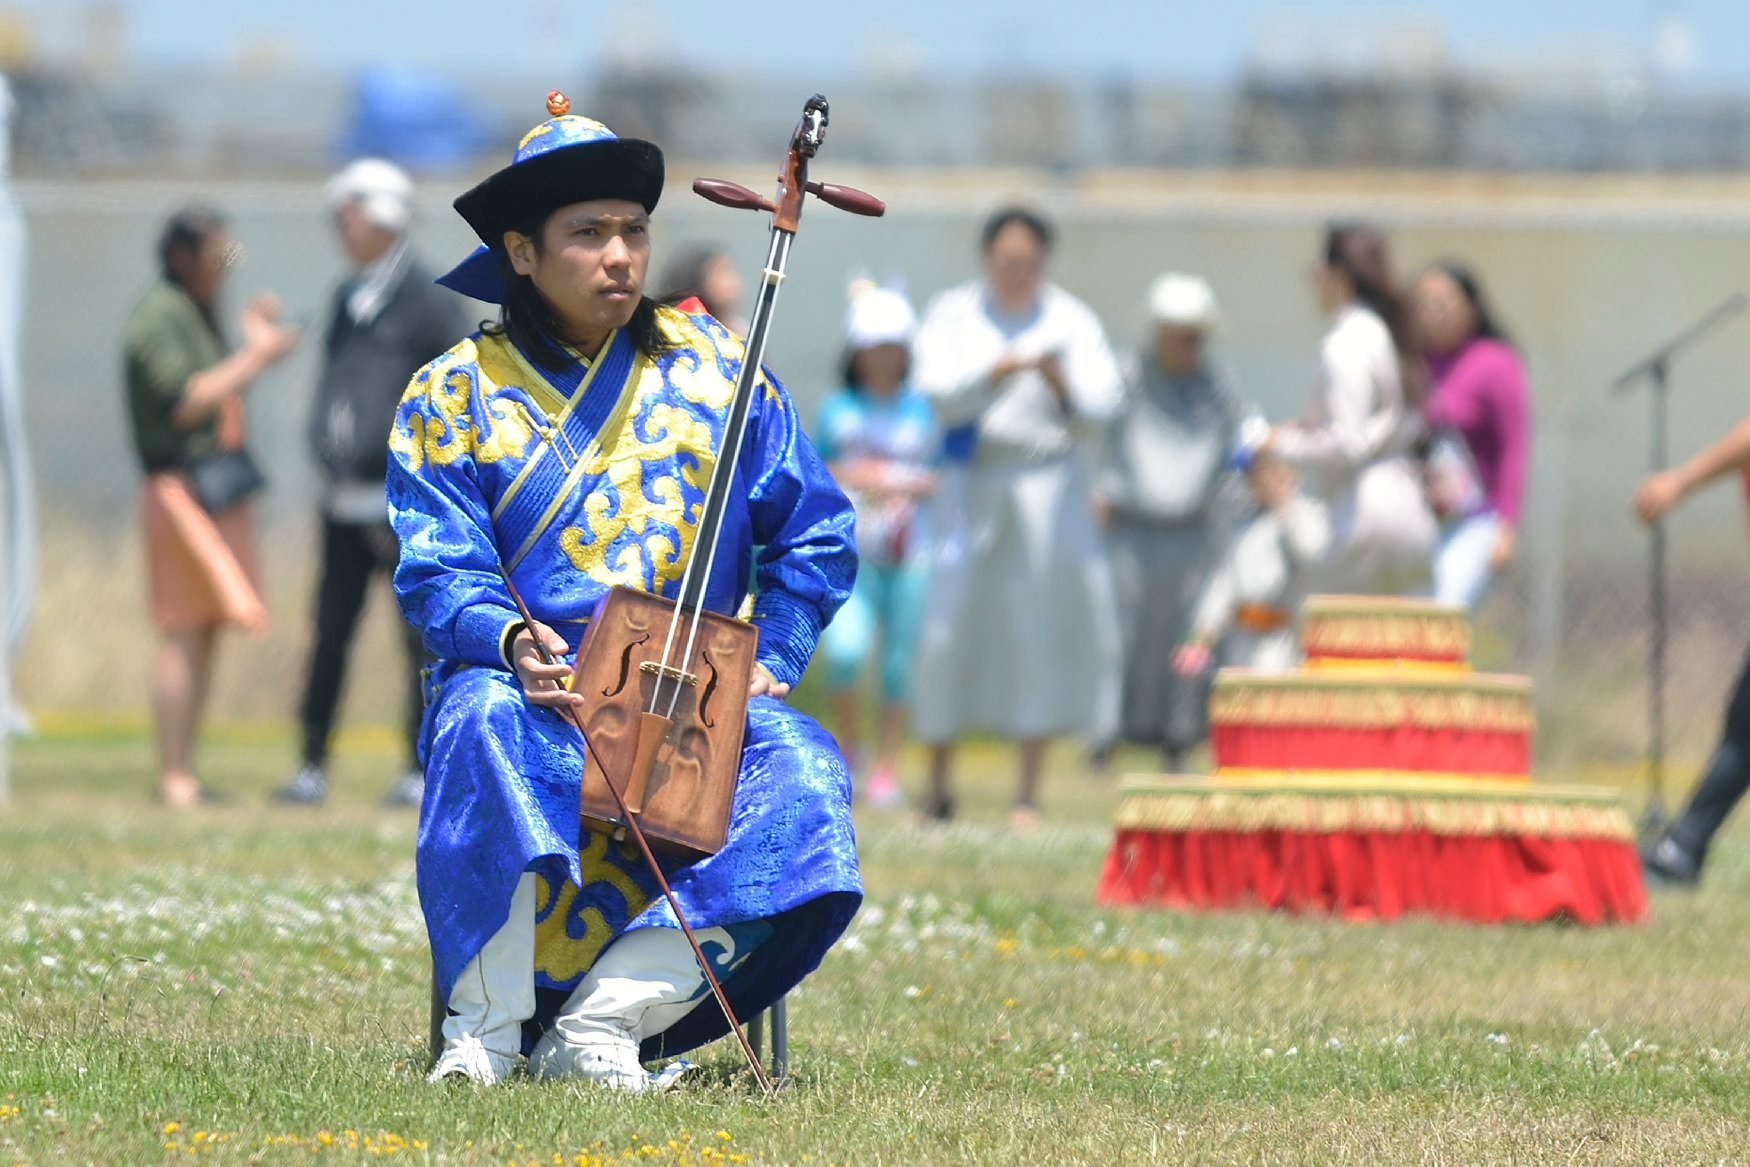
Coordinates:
(1178, 349)
(1272, 479)
(362, 240)
(589, 265)
(1014, 267)
(202, 270)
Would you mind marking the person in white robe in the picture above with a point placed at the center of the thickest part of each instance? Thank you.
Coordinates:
(1018, 638)
(1353, 443)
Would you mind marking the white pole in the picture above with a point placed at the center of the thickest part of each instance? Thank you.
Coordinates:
(18, 547)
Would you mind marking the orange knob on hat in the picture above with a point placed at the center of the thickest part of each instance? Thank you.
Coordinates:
(558, 105)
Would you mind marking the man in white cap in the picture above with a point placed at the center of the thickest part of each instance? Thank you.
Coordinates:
(387, 320)
(1159, 486)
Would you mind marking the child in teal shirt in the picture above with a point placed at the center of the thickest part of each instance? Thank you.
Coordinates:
(880, 440)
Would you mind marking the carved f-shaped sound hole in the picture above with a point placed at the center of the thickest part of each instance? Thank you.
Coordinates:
(625, 666)
(710, 689)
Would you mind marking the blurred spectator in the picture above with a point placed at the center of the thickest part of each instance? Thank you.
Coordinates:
(1479, 417)
(1158, 488)
(1247, 609)
(387, 320)
(878, 437)
(1019, 637)
(185, 402)
(1678, 855)
(708, 273)
(17, 483)
(1353, 442)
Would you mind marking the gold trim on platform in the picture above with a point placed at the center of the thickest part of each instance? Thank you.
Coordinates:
(1398, 667)
(1339, 605)
(1549, 812)
(1341, 699)
(1372, 628)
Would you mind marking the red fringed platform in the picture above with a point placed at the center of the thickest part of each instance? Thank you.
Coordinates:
(1446, 750)
(1380, 718)
(1372, 852)
(1383, 778)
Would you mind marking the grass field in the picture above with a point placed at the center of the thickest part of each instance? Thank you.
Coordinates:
(248, 984)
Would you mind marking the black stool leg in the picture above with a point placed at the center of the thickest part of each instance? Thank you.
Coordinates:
(780, 1040)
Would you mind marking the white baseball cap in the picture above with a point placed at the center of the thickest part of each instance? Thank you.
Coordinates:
(878, 316)
(1182, 300)
(381, 189)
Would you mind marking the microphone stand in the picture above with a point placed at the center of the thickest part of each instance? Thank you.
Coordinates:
(1655, 369)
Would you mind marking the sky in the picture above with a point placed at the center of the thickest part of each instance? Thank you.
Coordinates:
(1700, 44)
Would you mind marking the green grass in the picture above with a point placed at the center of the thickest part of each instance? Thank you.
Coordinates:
(258, 976)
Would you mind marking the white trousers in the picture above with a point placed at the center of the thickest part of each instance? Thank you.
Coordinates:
(496, 992)
(645, 982)
(639, 987)
(1461, 565)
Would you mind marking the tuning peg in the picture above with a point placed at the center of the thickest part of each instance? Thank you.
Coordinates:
(732, 194)
(847, 198)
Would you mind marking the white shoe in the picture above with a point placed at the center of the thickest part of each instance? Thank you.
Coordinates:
(466, 1058)
(611, 1062)
(609, 1057)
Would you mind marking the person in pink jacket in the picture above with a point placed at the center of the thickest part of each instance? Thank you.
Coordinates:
(1478, 413)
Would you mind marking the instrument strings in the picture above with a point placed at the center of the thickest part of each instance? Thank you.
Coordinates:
(692, 598)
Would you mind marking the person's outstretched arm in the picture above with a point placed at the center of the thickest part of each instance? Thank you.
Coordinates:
(1661, 493)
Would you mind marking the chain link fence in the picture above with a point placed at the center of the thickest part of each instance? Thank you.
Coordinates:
(1587, 275)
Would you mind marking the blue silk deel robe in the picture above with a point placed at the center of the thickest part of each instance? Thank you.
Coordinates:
(575, 482)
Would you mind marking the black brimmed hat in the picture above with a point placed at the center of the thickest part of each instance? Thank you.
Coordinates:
(566, 159)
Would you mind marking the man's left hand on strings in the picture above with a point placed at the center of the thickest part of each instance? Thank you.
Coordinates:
(763, 684)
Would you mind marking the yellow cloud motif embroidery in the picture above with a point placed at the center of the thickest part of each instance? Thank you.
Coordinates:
(445, 428)
(433, 434)
(567, 941)
(640, 495)
(707, 383)
(509, 433)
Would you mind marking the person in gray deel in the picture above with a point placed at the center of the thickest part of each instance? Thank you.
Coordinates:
(388, 319)
(1158, 488)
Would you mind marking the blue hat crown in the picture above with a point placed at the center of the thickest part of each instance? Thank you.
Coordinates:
(568, 129)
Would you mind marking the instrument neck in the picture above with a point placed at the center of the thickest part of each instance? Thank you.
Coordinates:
(697, 576)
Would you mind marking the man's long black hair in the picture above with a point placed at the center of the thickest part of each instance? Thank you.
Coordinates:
(527, 320)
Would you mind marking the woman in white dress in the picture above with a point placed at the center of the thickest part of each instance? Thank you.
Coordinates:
(1353, 443)
(1019, 638)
